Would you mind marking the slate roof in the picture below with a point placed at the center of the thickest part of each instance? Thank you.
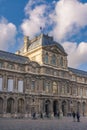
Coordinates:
(78, 72)
(13, 57)
(44, 40)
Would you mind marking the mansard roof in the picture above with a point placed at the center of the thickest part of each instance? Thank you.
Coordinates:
(78, 72)
(13, 57)
(44, 40)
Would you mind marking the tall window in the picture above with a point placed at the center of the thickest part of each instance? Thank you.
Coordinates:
(74, 90)
(46, 58)
(1, 64)
(10, 85)
(86, 92)
(20, 86)
(47, 87)
(81, 92)
(63, 90)
(67, 89)
(53, 60)
(61, 61)
(54, 87)
(0, 83)
(33, 85)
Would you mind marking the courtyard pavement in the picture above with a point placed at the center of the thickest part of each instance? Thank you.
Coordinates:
(66, 123)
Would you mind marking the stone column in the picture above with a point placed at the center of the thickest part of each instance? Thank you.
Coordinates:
(15, 107)
(40, 85)
(29, 87)
(51, 86)
(37, 84)
(15, 84)
(44, 106)
(60, 108)
(41, 106)
(51, 109)
(4, 106)
(26, 107)
(5, 82)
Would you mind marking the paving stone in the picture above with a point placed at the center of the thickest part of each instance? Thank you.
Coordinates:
(65, 123)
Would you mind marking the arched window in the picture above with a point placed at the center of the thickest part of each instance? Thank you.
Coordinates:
(10, 105)
(46, 58)
(53, 60)
(54, 87)
(20, 106)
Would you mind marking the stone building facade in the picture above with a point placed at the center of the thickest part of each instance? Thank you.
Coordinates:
(37, 79)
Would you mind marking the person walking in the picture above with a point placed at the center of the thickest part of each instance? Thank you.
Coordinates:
(74, 115)
(41, 115)
(78, 116)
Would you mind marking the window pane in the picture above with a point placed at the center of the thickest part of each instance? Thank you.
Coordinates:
(54, 87)
(0, 84)
(33, 85)
(46, 58)
(0, 65)
(10, 85)
(20, 86)
(53, 61)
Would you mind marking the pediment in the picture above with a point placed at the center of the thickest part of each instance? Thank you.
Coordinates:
(55, 49)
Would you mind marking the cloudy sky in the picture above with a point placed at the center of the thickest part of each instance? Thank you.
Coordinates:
(65, 20)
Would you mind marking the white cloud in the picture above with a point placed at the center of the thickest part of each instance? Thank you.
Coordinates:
(7, 34)
(36, 19)
(77, 53)
(69, 17)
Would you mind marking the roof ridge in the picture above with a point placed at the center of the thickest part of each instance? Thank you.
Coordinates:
(13, 54)
(77, 69)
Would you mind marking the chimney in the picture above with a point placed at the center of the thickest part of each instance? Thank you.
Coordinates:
(26, 43)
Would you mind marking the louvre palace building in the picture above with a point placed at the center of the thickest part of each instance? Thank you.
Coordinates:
(37, 79)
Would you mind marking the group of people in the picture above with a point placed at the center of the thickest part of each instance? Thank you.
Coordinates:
(42, 115)
(76, 115)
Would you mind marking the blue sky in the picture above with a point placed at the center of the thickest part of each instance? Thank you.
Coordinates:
(65, 20)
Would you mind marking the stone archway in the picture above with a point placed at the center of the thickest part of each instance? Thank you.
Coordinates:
(1, 105)
(64, 109)
(55, 107)
(83, 108)
(78, 106)
(47, 107)
(10, 105)
(20, 105)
